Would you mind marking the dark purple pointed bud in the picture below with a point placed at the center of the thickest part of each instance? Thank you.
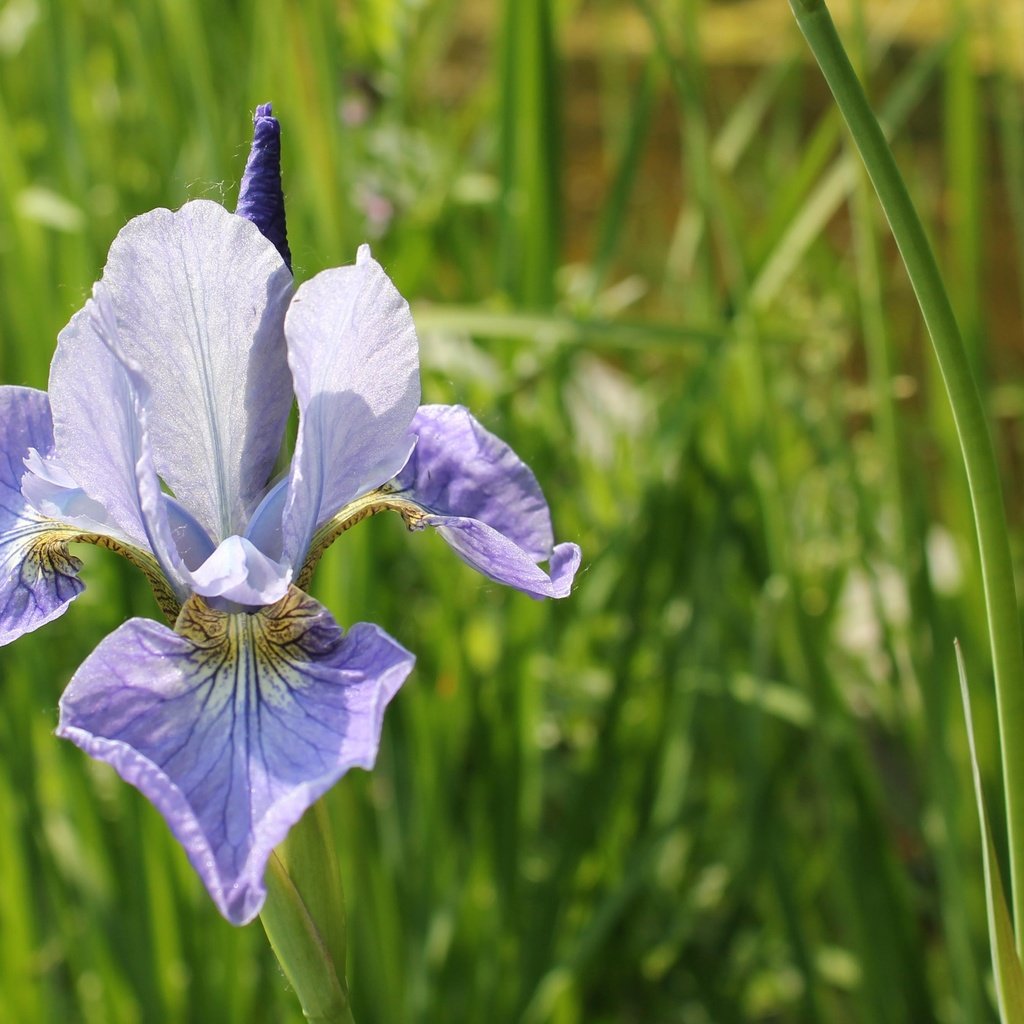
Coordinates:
(260, 198)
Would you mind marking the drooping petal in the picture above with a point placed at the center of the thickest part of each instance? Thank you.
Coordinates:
(199, 296)
(485, 502)
(502, 560)
(461, 469)
(38, 578)
(234, 724)
(355, 362)
(260, 198)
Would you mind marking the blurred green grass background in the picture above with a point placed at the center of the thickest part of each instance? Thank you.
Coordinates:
(727, 779)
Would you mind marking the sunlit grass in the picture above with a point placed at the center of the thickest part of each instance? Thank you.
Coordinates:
(728, 779)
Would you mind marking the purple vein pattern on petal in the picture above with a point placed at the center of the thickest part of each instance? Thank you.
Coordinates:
(200, 297)
(38, 578)
(485, 502)
(233, 725)
(355, 362)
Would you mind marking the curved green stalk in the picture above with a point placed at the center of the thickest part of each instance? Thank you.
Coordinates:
(304, 918)
(968, 413)
(50, 552)
(380, 500)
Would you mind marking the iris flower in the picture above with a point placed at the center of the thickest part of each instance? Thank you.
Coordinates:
(168, 397)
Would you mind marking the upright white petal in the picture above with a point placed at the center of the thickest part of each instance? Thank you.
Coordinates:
(200, 297)
(355, 362)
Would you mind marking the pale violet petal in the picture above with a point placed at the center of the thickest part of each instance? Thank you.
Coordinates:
(174, 534)
(485, 502)
(52, 477)
(94, 425)
(188, 537)
(101, 402)
(459, 468)
(200, 297)
(354, 359)
(38, 578)
(264, 528)
(51, 491)
(502, 560)
(234, 725)
(384, 470)
(239, 572)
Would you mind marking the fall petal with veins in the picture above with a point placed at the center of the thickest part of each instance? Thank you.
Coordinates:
(38, 578)
(233, 724)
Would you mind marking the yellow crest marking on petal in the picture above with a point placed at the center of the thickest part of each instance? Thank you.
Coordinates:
(204, 626)
(259, 652)
(48, 553)
(274, 633)
(381, 500)
(162, 590)
(49, 556)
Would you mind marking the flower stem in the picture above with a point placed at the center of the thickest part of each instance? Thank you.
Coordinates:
(304, 918)
(968, 414)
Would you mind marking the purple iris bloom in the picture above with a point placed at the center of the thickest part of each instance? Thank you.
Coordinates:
(166, 410)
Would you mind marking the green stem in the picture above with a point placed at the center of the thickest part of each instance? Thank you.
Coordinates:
(968, 414)
(304, 918)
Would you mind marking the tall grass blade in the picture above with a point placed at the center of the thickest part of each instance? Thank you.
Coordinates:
(1006, 964)
(529, 148)
(968, 412)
